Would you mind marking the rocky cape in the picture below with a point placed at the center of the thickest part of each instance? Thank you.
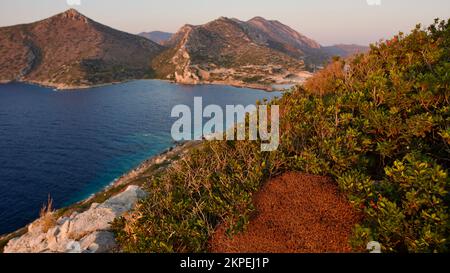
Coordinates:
(229, 51)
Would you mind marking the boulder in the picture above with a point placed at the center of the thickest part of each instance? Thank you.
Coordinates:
(28, 243)
(124, 201)
(90, 221)
(98, 242)
(73, 247)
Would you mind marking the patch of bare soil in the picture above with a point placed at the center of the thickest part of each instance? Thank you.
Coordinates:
(295, 213)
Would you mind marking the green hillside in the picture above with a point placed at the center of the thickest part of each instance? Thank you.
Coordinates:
(378, 124)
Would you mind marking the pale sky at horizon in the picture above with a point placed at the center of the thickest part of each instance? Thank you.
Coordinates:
(326, 21)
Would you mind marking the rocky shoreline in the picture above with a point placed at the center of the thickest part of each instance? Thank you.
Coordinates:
(67, 87)
(85, 227)
(85, 232)
(256, 86)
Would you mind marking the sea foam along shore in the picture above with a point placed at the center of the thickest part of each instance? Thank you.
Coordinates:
(70, 232)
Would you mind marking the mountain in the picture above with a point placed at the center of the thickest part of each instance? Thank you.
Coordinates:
(159, 37)
(235, 52)
(285, 39)
(343, 50)
(280, 37)
(71, 50)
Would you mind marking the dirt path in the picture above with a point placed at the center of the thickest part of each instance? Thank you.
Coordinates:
(296, 213)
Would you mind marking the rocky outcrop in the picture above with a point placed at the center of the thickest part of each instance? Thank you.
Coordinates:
(73, 14)
(86, 232)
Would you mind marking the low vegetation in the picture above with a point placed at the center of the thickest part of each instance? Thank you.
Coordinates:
(378, 123)
(47, 215)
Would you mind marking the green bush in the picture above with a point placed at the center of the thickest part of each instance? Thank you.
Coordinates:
(212, 185)
(378, 123)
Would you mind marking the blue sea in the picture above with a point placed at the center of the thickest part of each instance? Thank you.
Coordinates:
(71, 144)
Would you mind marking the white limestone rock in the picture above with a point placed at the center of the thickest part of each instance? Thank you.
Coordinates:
(98, 242)
(86, 232)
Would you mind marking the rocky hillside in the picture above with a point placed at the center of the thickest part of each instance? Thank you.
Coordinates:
(159, 37)
(69, 50)
(281, 37)
(234, 52)
(259, 52)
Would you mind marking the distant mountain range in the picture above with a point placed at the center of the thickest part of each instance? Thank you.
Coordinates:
(275, 32)
(70, 50)
(159, 37)
(345, 50)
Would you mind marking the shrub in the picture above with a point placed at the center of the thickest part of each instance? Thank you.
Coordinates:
(378, 123)
(47, 218)
(212, 185)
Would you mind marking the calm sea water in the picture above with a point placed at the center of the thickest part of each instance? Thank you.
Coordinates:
(72, 144)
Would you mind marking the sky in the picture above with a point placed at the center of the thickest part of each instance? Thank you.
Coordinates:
(326, 21)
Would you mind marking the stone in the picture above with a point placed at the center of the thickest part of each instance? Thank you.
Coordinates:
(29, 243)
(52, 233)
(124, 201)
(101, 216)
(64, 230)
(374, 247)
(39, 241)
(73, 247)
(35, 227)
(90, 221)
(62, 220)
(99, 242)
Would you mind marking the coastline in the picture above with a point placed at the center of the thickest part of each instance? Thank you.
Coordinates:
(255, 86)
(68, 88)
(135, 177)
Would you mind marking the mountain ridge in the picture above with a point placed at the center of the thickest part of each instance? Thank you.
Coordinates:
(80, 52)
(199, 53)
(159, 37)
(227, 50)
